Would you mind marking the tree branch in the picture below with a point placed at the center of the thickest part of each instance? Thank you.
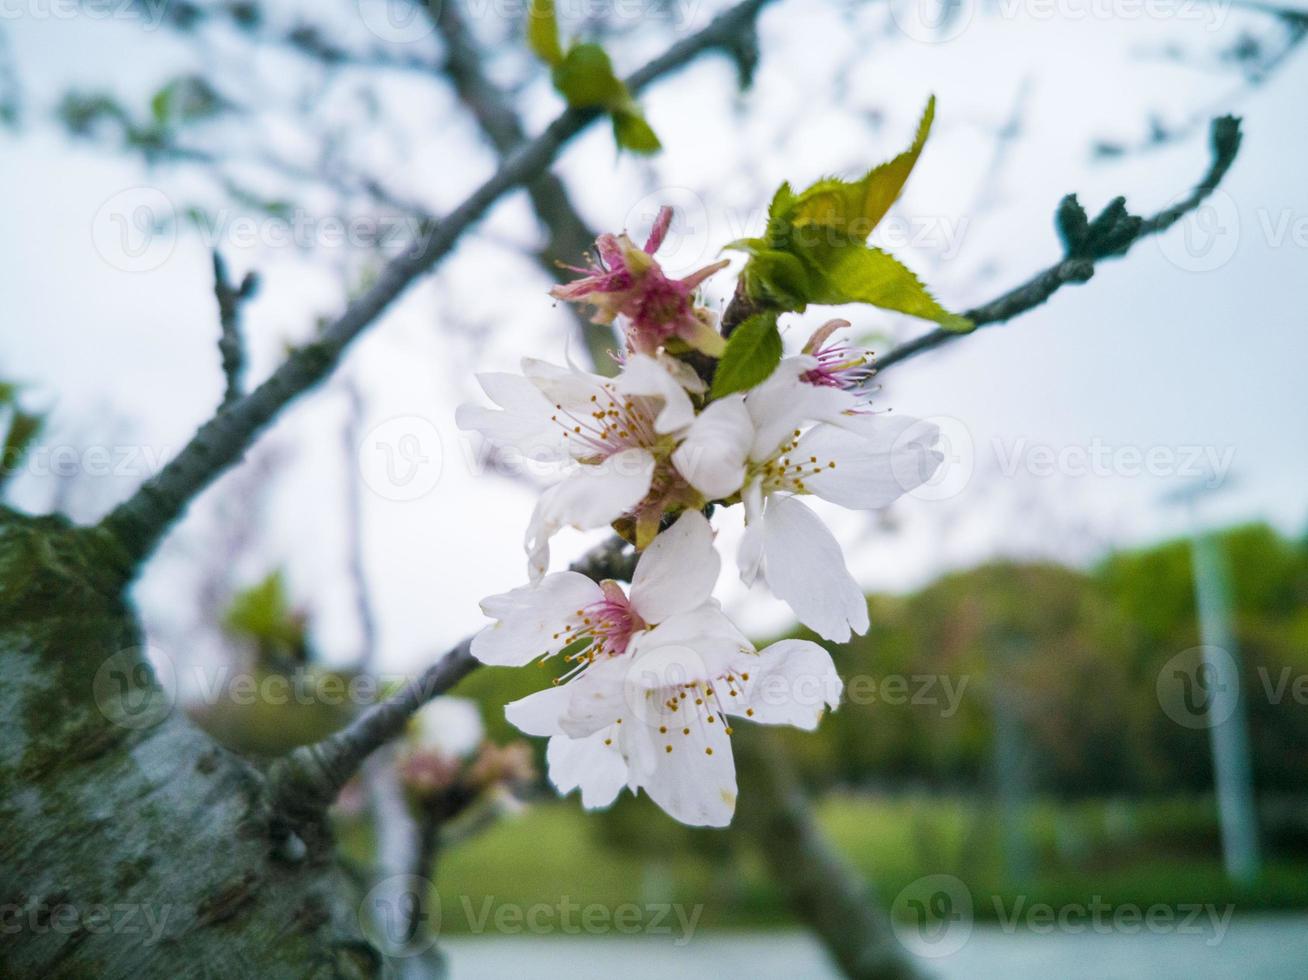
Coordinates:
(1224, 140)
(569, 235)
(302, 784)
(142, 520)
(231, 340)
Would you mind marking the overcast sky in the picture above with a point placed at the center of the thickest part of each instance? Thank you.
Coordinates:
(1065, 428)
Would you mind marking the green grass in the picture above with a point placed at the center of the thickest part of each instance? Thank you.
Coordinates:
(1141, 853)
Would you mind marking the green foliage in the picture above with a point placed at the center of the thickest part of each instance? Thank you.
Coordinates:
(814, 251)
(263, 613)
(21, 429)
(543, 32)
(583, 74)
(753, 352)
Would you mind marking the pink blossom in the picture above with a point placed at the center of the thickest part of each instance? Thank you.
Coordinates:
(627, 281)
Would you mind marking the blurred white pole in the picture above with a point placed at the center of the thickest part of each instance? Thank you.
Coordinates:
(1228, 732)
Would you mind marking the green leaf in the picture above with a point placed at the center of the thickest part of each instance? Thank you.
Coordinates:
(753, 352)
(855, 273)
(853, 208)
(585, 79)
(24, 427)
(543, 32)
(633, 133)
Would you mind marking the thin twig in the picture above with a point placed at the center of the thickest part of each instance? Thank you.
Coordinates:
(491, 107)
(142, 520)
(1078, 269)
(231, 339)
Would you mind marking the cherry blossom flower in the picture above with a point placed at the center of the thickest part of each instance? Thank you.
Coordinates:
(654, 677)
(762, 446)
(627, 281)
(839, 364)
(621, 431)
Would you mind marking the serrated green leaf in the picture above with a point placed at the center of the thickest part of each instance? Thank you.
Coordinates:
(753, 352)
(854, 208)
(855, 273)
(543, 32)
(633, 133)
(585, 79)
(778, 279)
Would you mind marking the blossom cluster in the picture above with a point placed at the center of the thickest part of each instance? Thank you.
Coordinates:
(656, 673)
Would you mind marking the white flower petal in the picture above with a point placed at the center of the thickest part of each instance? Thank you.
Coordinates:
(589, 765)
(645, 377)
(528, 617)
(695, 782)
(539, 713)
(563, 386)
(804, 567)
(792, 682)
(877, 460)
(452, 726)
(784, 403)
(699, 645)
(591, 496)
(712, 457)
(521, 422)
(678, 570)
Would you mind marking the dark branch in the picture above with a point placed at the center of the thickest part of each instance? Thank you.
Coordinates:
(569, 236)
(231, 340)
(145, 517)
(303, 784)
(1076, 268)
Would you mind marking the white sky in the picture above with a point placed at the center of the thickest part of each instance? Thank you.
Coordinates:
(1174, 349)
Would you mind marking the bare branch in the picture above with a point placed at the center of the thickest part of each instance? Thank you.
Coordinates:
(569, 235)
(1225, 142)
(142, 520)
(231, 341)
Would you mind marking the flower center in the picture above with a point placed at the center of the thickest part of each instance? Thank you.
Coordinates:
(612, 424)
(605, 627)
(786, 470)
(842, 366)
